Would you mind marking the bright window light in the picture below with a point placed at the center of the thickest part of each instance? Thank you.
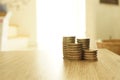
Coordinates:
(58, 18)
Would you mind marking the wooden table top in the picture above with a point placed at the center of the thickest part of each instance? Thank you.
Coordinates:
(36, 65)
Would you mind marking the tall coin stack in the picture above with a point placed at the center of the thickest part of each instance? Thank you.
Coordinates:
(67, 40)
(90, 55)
(71, 50)
(85, 43)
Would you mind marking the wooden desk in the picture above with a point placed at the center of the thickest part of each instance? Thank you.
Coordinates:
(112, 46)
(35, 65)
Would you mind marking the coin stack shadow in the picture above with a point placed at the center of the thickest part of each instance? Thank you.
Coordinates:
(71, 50)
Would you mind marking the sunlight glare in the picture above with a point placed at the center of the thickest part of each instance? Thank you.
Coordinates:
(58, 18)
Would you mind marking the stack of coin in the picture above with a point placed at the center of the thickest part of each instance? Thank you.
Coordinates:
(90, 55)
(66, 40)
(72, 51)
(85, 43)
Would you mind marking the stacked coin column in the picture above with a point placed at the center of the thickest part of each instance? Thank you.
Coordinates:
(71, 50)
(85, 43)
(67, 40)
(90, 55)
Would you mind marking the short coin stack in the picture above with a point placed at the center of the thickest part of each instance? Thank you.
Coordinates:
(71, 50)
(90, 55)
(85, 43)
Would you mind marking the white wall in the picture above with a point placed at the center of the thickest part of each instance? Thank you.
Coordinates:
(90, 22)
(107, 21)
(26, 19)
(102, 20)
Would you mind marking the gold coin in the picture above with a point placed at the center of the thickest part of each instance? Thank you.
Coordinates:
(90, 58)
(72, 54)
(87, 56)
(90, 51)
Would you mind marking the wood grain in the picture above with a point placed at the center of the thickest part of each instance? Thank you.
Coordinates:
(37, 65)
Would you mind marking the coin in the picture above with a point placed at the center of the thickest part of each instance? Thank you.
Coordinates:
(90, 51)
